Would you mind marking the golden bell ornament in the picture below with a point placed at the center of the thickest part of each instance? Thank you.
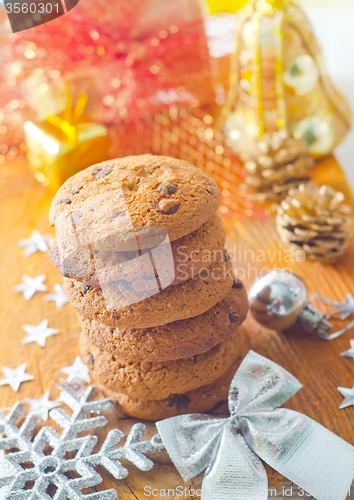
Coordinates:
(314, 219)
(278, 81)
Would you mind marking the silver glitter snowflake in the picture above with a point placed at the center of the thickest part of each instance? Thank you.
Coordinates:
(47, 458)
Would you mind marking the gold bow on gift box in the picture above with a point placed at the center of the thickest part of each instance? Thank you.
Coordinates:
(64, 144)
(278, 80)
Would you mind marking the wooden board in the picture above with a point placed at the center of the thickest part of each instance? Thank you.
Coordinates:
(317, 364)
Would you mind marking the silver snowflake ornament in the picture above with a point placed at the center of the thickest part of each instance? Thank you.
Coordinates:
(69, 453)
(15, 377)
(133, 451)
(30, 286)
(41, 406)
(58, 296)
(35, 243)
(38, 333)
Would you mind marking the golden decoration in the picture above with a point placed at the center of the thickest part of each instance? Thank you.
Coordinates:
(232, 6)
(64, 144)
(315, 219)
(278, 81)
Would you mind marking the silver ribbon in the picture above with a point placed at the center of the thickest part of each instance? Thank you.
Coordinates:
(344, 309)
(230, 449)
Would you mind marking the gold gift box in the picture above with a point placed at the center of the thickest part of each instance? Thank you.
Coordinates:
(54, 155)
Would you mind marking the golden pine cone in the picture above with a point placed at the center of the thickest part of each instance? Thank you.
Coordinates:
(277, 163)
(314, 218)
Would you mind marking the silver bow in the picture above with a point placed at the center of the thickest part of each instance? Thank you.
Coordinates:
(296, 446)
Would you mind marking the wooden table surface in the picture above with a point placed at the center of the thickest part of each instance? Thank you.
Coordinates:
(316, 363)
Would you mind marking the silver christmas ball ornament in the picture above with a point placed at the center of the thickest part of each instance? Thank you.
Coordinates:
(278, 301)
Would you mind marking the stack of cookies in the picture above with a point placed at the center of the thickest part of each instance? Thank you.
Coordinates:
(141, 248)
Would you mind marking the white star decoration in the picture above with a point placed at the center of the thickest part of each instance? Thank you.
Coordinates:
(350, 352)
(348, 395)
(76, 388)
(78, 371)
(41, 406)
(58, 297)
(38, 333)
(36, 242)
(30, 286)
(15, 377)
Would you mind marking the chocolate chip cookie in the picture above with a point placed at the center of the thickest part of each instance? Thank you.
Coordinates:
(174, 303)
(158, 380)
(198, 401)
(191, 253)
(177, 340)
(107, 201)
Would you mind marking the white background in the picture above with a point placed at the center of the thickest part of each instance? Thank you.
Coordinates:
(333, 24)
